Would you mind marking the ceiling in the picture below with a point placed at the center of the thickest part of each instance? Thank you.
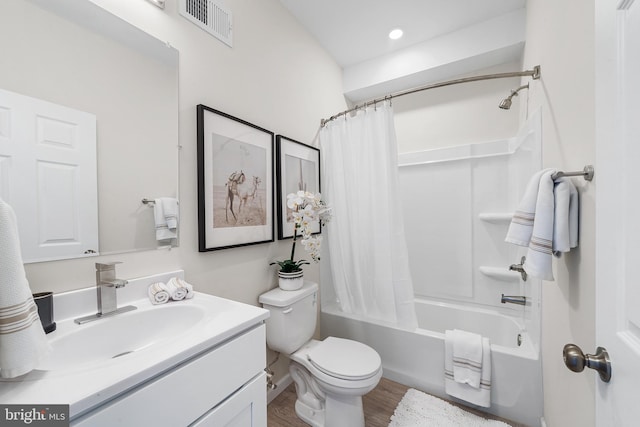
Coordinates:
(354, 31)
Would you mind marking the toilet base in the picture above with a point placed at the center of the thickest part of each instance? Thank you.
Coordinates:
(319, 409)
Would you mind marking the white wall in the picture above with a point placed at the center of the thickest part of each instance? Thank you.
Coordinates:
(560, 37)
(461, 114)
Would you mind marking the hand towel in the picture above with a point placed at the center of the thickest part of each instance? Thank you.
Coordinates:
(23, 343)
(466, 356)
(549, 227)
(565, 222)
(165, 213)
(478, 396)
(183, 284)
(158, 293)
(539, 254)
(521, 227)
(177, 291)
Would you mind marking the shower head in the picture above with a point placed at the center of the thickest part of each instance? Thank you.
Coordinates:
(506, 103)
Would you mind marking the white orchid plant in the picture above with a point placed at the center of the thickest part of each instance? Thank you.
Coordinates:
(307, 208)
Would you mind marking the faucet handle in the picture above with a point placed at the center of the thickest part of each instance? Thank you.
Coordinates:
(116, 283)
(106, 266)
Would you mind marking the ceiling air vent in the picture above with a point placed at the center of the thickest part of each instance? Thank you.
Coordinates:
(209, 16)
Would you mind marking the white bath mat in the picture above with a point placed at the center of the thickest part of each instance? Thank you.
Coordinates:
(418, 409)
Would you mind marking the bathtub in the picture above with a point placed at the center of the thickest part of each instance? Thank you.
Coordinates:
(416, 358)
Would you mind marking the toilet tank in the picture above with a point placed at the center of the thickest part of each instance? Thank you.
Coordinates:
(293, 317)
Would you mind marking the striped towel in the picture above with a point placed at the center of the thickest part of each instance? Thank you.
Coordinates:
(179, 289)
(165, 213)
(23, 343)
(158, 293)
(546, 221)
(480, 395)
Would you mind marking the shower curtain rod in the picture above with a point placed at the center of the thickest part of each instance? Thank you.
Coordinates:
(534, 74)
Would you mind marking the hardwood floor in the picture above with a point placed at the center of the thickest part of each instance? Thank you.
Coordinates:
(378, 407)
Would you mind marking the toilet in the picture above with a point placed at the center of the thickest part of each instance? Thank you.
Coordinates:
(332, 375)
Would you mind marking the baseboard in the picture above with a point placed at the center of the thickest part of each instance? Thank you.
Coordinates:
(281, 385)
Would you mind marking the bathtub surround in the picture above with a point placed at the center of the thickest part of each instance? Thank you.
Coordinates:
(463, 201)
(369, 259)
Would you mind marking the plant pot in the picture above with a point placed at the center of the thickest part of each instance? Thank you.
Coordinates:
(290, 281)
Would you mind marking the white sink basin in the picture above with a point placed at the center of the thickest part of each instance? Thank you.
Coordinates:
(76, 346)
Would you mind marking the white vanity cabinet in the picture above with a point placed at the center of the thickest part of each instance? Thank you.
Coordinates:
(221, 386)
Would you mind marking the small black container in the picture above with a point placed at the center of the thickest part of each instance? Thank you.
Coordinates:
(44, 301)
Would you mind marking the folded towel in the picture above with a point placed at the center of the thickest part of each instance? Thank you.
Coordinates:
(23, 343)
(165, 213)
(478, 396)
(565, 221)
(466, 356)
(179, 283)
(158, 293)
(177, 291)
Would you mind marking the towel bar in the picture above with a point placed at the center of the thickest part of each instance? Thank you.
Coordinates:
(586, 173)
(148, 202)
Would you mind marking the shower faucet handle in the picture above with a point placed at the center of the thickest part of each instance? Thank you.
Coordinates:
(520, 269)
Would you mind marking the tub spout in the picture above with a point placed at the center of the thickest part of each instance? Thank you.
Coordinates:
(520, 300)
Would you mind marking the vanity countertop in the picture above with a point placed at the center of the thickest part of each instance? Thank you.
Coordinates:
(85, 385)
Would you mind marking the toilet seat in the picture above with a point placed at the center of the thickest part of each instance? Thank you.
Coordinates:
(345, 359)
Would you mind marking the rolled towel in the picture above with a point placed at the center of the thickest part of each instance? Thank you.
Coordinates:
(183, 284)
(23, 343)
(158, 293)
(177, 291)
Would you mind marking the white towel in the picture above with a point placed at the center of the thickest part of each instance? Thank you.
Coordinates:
(179, 283)
(521, 227)
(23, 343)
(565, 222)
(177, 291)
(165, 213)
(549, 227)
(158, 293)
(539, 254)
(478, 396)
(466, 356)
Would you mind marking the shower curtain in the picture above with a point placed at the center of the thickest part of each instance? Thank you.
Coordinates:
(367, 249)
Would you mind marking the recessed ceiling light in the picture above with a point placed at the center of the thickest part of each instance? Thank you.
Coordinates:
(395, 34)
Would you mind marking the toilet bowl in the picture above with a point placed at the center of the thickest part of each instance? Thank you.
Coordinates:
(332, 375)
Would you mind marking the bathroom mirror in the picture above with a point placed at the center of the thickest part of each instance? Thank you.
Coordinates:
(78, 55)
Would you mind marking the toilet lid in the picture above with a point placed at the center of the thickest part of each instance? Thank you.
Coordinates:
(346, 359)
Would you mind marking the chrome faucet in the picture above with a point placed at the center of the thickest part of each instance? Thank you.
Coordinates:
(519, 269)
(520, 300)
(107, 285)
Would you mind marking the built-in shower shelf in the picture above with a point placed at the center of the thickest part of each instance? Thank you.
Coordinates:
(496, 217)
(500, 273)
